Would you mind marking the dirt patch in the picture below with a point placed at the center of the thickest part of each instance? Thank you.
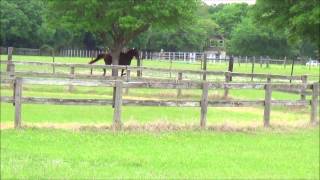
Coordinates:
(168, 127)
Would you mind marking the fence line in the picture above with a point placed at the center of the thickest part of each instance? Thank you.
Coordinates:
(17, 99)
(189, 57)
(72, 74)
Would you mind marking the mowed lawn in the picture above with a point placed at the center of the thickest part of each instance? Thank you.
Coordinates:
(274, 153)
(48, 153)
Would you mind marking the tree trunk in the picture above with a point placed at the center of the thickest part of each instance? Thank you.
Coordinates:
(115, 53)
(230, 67)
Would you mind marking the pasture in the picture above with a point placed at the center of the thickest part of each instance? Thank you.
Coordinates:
(235, 145)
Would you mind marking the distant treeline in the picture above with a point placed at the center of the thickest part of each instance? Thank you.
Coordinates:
(24, 23)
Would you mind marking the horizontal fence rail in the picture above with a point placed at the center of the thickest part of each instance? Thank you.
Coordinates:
(119, 85)
(180, 74)
(132, 68)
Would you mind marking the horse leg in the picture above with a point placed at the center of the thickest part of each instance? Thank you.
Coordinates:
(122, 72)
(104, 71)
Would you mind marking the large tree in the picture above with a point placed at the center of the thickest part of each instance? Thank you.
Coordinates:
(301, 18)
(21, 24)
(228, 16)
(251, 40)
(120, 21)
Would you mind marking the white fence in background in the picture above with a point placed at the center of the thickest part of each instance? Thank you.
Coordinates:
(188, 57)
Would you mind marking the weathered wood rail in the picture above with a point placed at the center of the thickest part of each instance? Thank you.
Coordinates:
(119, 85)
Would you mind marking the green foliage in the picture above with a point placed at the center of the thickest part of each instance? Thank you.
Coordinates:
(299, 18)
(252, 40)
(120, 21)
(228, 16)
(20, 22)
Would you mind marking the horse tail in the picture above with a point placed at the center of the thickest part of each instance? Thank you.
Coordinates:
(100, 56)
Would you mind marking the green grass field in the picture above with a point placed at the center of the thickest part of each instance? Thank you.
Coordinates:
(58, 154)
(288, 150)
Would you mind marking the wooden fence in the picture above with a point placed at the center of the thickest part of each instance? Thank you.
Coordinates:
(178, 73)
(189, 57)
(118, 101)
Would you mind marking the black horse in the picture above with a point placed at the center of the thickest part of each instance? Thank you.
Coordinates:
(124, 59)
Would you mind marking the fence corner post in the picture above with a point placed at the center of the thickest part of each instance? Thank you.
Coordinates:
(117, 125)
(314, 103)
(204, 104)
(267, 105)
(17, 101)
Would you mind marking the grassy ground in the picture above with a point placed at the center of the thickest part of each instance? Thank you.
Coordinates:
(95, 153)
(58, 154)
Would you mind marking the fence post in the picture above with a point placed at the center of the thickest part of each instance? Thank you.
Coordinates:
(292, 67)
(139, 73)
(170, 66)
(128, 80)
(285, 62)
(117, 105)
(9, 63)
(11, 73)
(252, 68)
(179, 89)
(314, 103)
(71, 87)
(53, 63)
(267, 105)
(268, 79)
(227, 80)
(17, 102)
(304, 79)
(204, 105)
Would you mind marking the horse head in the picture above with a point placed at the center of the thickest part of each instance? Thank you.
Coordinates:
(134, 53)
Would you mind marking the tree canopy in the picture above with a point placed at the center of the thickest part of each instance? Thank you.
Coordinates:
(301, 19)
(118, 22)
(270, 27)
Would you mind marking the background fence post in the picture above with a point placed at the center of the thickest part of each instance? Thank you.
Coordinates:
(292, 67)
(314, 103)
(139, 73)
(204, 105)
(17, 102)
(267, 105)
(117, 106)
(304, 79)
(10, 50)
(252, 67)
(53, 63)
(179, 89)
